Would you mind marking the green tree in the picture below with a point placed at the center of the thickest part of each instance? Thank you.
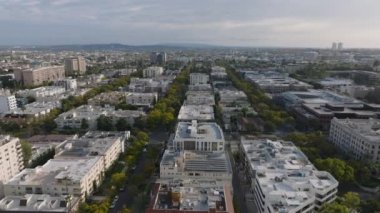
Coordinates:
(142, 136)
(26, 149)
(122, 124)
(104, 123)
(338, 168)
(351, 200)
(334, 207)
(118, 179)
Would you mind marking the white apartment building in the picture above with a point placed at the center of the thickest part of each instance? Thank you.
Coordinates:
(11, 159)
(74, 118)
(283, 179)
(67, 83)
(7, 101)
(152, 72)
(77, 168)
(201, 136)
(141, 99)
(359, 138)
(42, 92)
(35, 109)
(199, 78)
(195, 165)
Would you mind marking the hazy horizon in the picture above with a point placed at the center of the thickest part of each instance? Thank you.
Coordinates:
(245, 23)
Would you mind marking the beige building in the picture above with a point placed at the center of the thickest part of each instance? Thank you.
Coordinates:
(32, 77)
(75, 66)
(11, 160)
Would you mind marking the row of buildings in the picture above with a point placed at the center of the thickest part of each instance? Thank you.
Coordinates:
(59, 185)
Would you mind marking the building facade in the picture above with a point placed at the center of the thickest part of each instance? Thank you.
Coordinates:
(11, 159)
(33, 77)
(199, 78)
(359, 138)
(152, 72)
(75, 66)
(7, 101)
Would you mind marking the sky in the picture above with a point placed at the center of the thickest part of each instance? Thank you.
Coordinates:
(257, 23)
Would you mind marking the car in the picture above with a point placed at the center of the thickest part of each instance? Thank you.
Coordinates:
(112, 206)
(122, 189)
(144, 150)
(133, 168)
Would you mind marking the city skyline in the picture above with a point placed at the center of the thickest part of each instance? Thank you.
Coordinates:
(273, 23)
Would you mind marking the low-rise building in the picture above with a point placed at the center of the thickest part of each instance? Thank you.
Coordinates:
(233, 97)
(200, 98)
(191, 196)
(33, 110)
(33, 203)
(196, 112)
(107, 98)
(218, 73)
(76, 170)
(282, 179)
(89, 114)
(195, 165)
(274, 82)
(67, 83)
(42, 92)
(200, 136)
(199, 78)
(152, 72)
(141, 99)
(359, 138)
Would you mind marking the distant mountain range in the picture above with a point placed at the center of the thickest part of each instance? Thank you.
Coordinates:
(113, 46)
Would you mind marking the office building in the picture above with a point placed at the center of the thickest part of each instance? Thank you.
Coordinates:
(7, 101)
(75, 66)
(283, 179)
(38, 76)
(200, 136)
(358, 138)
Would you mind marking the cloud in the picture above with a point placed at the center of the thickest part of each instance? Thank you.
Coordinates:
(226, 22)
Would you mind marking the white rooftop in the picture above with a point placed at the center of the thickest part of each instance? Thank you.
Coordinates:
(284, 173)
(196, 112)
(195, 130)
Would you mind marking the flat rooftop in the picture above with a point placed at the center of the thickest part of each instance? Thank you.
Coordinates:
(196, 112)
(36, 203)
(193, 195)
(54, 171)
(282, 170)
(197, 161)
(195, 130)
